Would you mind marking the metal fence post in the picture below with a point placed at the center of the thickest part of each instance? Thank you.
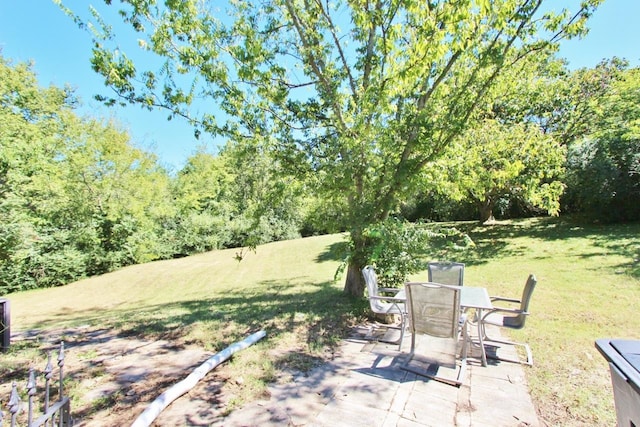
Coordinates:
(61, 365)
(48, 373)
(58, 412)
(31, 391)
(14, 403)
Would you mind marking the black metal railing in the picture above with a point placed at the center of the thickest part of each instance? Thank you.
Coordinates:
(57, 413)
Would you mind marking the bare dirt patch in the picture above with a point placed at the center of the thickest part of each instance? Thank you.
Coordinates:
(113, 378)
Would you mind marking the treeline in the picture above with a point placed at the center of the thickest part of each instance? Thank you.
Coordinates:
(78, 199)
(551, 142)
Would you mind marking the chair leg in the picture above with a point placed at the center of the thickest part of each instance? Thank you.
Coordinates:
(462, 370)
(457, 382)
(525, 346)
(463, 360)
(403, 326)
(413, 343)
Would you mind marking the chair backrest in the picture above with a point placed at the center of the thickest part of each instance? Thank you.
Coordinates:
(518, 321)
(526, 295)
(434, 309)
(446, 273)
(371, 279)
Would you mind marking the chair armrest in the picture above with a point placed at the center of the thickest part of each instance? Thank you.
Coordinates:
(504, 310)
(393, 299)
(392, 290)
(497, 298)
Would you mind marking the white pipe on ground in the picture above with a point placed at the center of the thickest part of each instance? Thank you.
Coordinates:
(151, 413)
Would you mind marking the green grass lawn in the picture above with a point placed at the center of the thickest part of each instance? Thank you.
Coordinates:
(588, 286)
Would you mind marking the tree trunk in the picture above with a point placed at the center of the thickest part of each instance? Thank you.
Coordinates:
(354, 284)
(486, 211)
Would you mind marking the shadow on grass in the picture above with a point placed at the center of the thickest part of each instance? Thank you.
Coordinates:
(336, 252)
(495, 241)
(320, 316)
(274, 306)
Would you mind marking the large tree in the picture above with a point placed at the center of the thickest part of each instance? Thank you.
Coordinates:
(515, 161)
(364, 94)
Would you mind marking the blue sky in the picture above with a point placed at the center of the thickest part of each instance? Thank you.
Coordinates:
(37, 30)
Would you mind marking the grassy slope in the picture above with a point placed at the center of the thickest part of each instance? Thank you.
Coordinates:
(588, 288)
(292, 268)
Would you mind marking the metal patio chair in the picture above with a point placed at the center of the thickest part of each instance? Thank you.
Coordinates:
(446, 273)
(513, 318)
(434, 314)
(387, 305)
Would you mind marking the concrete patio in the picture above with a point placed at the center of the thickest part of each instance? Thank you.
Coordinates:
(364, 386)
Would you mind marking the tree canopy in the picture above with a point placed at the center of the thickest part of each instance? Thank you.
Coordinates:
(362, 94)
(75, 197)
(516, 161)
(604, 163)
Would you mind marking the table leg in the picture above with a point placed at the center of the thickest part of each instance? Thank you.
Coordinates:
(481, 342)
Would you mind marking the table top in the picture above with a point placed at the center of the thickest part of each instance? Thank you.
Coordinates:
(470, 297)
(475, 297)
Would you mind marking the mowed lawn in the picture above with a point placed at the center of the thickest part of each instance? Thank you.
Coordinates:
(588, 288)
(213, 285)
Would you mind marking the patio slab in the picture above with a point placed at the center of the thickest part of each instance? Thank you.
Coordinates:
(364, 386)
